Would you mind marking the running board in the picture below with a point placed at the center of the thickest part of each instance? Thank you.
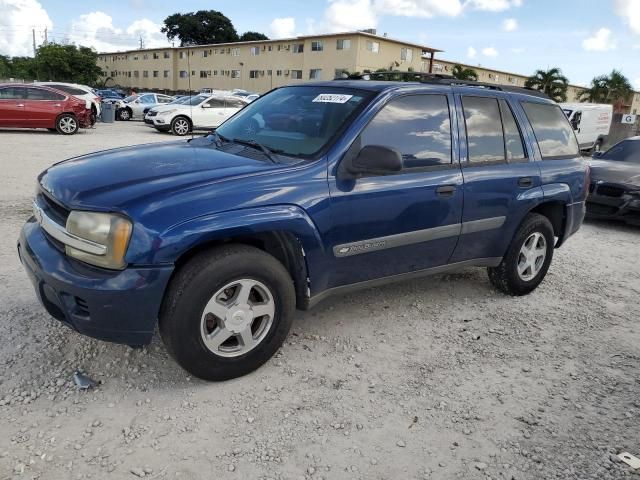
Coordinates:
(376, 282)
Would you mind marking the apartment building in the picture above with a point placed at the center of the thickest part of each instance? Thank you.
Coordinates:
(260, 66)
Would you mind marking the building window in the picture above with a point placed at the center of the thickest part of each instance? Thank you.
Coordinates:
(181, 54)
(136, 73)
(298, 48)
(145, 56)
(317, 46)
(255, 50)
(156, 73)
(278, 73)
(235, 73)
(269, 73)
(235, 52)
(145, 74)
(156, 55)
(437, 67)
(340, 72)
(254, 73)
(135, 57)
(167, 54)
(205, 73)
(205, 53)
(296, 74)
(372, 46)
(270, 48)
(166, 74)
(184, 74)
(343, 44)
(406, 54)
(215, 73)
(315, 74)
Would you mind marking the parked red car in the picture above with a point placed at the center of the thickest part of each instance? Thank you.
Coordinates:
(31, 106)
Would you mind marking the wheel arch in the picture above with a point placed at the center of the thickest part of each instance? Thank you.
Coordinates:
(556, 212)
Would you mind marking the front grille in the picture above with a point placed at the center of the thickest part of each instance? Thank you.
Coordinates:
(56, 211)
(152, 114)
(610, 191)
(82, 307)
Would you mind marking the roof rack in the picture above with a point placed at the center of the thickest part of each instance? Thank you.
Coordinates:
(437, 78)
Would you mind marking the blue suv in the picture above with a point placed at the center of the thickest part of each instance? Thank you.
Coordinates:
(310, 191)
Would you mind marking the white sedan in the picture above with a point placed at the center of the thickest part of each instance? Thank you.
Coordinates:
(134, 105)
(203, 112)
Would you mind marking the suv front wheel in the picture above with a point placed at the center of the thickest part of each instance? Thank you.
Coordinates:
(528, 257)
(227, 311)
(180, 126)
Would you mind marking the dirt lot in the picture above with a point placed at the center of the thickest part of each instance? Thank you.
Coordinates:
(439, 378)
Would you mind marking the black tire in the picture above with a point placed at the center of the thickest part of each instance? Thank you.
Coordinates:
(53, 130)
(125, 114)
(67, 124)
(177, 126)
(505, 277)
(195, 284)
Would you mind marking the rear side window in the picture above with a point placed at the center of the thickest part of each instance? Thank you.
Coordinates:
(485, 140)
(68, 89)
(234, 103)
(11, 93)
(42, 94)
(418, 126)
(552, 130)
(216, 103)
(147, 99)
(513, 146)
(163, 99)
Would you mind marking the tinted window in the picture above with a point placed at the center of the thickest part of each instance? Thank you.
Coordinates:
(67, 89)
(485, 140)
(552, 130)
(42, 94)
(12, 93)
(299, 121)
(164, 99)
(147, 99)
(512, 136)
(216, 103)
(418, 126)
(627, 151)
(234, 103)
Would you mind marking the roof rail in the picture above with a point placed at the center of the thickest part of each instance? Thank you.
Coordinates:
(437, 78)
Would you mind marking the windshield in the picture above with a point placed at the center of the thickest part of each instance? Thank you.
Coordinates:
(626, 151)
(297, 121)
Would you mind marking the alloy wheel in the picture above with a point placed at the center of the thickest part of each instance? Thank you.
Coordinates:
(68, 124)
(532, 256)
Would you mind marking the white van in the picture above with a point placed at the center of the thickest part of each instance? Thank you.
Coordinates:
(591, 122)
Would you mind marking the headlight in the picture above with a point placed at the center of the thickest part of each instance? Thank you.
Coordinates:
(111, 231)
(162, 114)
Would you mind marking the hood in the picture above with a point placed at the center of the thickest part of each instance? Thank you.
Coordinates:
(114, 179)
(165, 107)
(611, 171)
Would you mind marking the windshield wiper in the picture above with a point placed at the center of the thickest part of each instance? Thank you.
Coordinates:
(218, 139)
(268, 152)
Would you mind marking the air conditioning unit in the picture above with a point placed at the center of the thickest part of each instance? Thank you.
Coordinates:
(286, 72)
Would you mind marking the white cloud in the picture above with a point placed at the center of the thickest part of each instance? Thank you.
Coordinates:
(493, 5)
(629, 10)
(490, 52)
(343, 15)
(471, 52)
(17, 20)
(282, 27)
(510, 24)
(601, 41)
(418, 8)
(636, 84)
(96, 30)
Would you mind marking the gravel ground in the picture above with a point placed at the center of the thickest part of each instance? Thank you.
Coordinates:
(436, 379)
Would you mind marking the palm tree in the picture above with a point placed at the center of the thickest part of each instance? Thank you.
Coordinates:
(614, 88)
(462, 73)
(551, 82)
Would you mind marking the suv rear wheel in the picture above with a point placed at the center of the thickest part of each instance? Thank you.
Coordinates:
(528, 258)
(67, 124)
(227, 311)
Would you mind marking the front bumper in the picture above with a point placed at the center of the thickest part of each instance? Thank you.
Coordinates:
(614, 202)
(116, 306)
(161, 124)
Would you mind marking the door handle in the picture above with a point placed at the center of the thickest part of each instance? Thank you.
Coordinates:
(525, 182)
(20, 105)
(446, 190)
(57, 105)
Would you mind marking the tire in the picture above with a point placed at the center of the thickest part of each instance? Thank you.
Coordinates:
(535, 231)
(67, 124)
(53, 130)
(198, 286)
(180, 126)
(125, 114)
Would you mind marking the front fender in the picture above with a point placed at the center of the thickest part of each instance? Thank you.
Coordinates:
(182, 237)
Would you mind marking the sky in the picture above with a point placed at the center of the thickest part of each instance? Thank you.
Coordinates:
(584, 38)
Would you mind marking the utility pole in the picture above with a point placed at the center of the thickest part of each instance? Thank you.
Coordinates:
(45, 36)
(34, 41)
(141, 42)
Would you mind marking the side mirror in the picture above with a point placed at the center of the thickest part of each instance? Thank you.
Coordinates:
(373, 160)
(597, 154)
(575, 123)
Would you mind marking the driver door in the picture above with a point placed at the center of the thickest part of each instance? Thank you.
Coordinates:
(384, 225)
(209, 114)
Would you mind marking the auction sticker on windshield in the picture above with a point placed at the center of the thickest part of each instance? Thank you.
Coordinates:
(332, 98)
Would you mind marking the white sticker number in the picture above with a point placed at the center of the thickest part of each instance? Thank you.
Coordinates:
(332, 98)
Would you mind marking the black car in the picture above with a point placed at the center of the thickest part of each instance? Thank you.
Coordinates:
(614, 191)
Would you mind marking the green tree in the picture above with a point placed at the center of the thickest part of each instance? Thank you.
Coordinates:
(67, 63)
(614, 88)
(462, 73)
(23, 68)
(252, 36)
(5, 67)
(551, 82)
(199, 28)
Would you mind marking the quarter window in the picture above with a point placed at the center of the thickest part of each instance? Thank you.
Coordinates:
(485, 140)
(513, 145)
(418, 126)
(552, 130)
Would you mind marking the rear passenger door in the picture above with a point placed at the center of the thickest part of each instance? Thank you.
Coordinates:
(501, 178)
(383, 225)
(42, 107)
